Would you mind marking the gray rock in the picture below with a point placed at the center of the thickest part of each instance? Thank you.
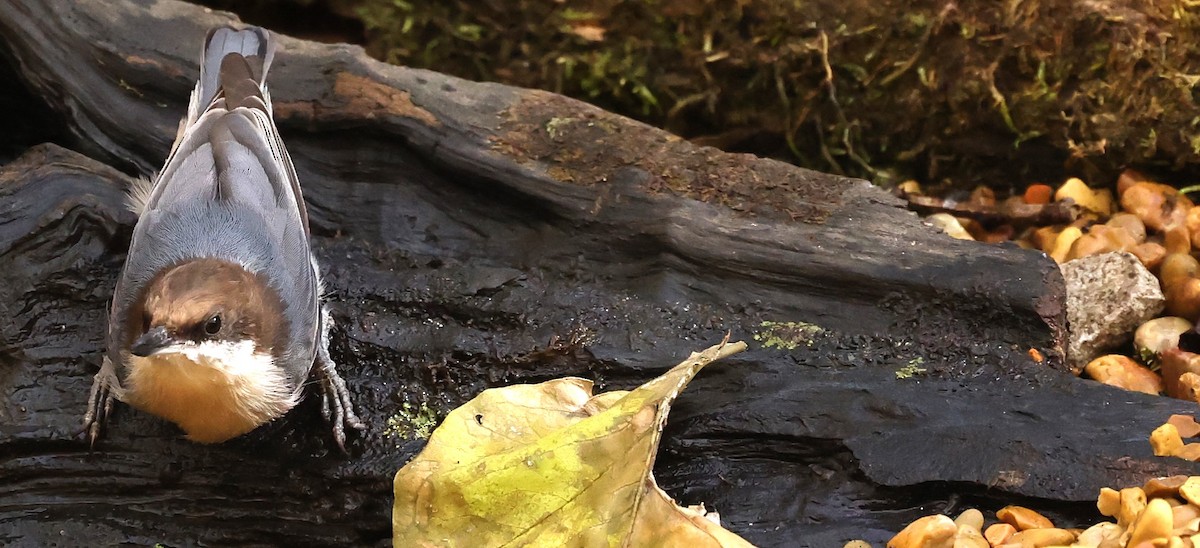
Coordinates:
(1108, 296)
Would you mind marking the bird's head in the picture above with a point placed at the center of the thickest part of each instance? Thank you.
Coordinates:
(203, 342)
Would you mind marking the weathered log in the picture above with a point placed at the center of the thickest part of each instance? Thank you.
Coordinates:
(476, 235)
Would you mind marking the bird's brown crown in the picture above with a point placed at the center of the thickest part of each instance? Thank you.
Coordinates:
(209, 300)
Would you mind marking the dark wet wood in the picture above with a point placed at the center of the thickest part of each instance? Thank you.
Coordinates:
(476, 235)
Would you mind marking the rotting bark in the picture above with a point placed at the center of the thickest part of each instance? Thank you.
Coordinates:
(475, 235)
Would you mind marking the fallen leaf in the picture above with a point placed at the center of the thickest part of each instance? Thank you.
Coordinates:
(552, 465)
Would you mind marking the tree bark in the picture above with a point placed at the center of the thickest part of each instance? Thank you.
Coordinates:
(476, 235)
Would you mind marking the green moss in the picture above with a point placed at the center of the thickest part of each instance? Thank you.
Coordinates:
(911, 369)
(787, 335)
(412, 421)
(835, 85)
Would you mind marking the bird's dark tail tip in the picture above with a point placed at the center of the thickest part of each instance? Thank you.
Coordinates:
(235, 65)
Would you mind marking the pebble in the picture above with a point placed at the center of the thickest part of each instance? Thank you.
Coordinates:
(927, 532)
(1192, 221)
(1177, 266)
(1177, 240)
(1159, 206)
(950, 225)
(1109, 502)
(1165, 440)
(1174, 363)
(970, 518)
(1040, 538)
(1133, 501)
(1183, 298)
(999, 533)
(1164, 487)
(1122, 372)
(1159, 335)
(1190, 491)
(1108, 296)
(1096, 201)
(1038, 194)
(1105, 533)
(1153, 524)
(1186, 425)
(1064, 242)
(1130, 223)
(1023, 518)
(1151, 254)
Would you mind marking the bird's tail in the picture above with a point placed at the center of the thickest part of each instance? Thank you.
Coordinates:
(233, 71)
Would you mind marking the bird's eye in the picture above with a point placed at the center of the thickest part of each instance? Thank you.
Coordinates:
(213, 325)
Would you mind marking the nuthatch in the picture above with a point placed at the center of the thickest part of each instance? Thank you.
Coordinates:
(216, 322)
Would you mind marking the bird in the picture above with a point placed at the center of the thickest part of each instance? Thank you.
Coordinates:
(217, 322)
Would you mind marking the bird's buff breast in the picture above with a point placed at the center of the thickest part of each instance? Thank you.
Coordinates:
(213, 391)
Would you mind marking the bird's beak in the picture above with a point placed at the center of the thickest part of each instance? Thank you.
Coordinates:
(152, 341)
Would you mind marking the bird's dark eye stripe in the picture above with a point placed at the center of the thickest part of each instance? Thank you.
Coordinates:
(213, 325)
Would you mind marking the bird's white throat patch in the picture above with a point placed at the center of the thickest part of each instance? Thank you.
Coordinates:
(213, 390)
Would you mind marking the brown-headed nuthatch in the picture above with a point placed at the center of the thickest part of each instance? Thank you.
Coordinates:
(216, 322)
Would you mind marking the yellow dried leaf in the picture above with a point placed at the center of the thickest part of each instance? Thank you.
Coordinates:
(551, 465)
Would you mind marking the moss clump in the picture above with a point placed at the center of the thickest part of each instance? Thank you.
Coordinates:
(787, 335)
(876, 89)
(911, 369)
(412, 421)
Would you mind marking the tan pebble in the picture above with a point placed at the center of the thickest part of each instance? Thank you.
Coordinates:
(928, 532)
(1130, 224)
(1109, 502)
(970, 537)
(1190, 490)
(1164, 487)
(1183, 298)
(1128, 178)
(983, 196)
(970, 518)
(1158, 206)
(1185, 516)
(1151, 254)
(1122, 372)
(1192, 221)
(1041, 538)
(1045, 236)
(909, 187)
(1154, 523)
(1117, 237)
(1177, 239)
(1096, 201)
(1178, 266)
(1101, 535)
(999, 533)
(1023, 518)
(1189, 451)
(1186, 425)
(1159, 335)
(1173, 363)
(1133, 501)
(1189, 383)
(950, 225)
(1165, 440)
(1064, 242)
(1092, 243)
(1190, 527)
(857, 544)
